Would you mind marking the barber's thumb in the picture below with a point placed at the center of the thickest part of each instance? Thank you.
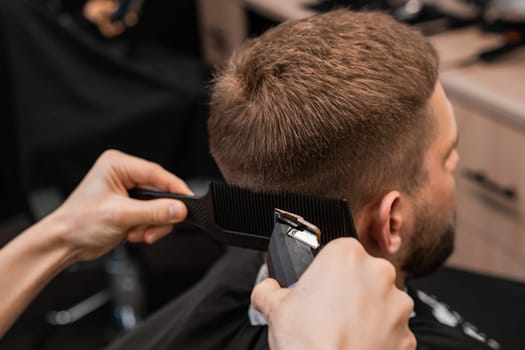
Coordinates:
(267, 296)
(158, 212)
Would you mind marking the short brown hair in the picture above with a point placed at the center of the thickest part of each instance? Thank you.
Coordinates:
(335, 104)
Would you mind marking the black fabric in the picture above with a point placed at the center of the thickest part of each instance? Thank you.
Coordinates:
(75, 93)
(493, 304)
(433, 334)
(10, 189)
(214, 315)
(164, 21)
(211, 315)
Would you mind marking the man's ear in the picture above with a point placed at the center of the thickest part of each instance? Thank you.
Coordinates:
(387, 223)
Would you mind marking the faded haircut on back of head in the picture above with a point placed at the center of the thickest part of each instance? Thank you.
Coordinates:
(335, 104)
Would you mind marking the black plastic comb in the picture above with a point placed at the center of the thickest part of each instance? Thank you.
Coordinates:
(243, 218)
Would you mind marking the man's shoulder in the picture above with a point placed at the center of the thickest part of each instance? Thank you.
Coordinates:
(437, 326)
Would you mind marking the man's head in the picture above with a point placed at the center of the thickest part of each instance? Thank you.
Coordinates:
(338, 104)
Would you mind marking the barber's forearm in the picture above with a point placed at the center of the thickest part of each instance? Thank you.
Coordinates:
(96, 217)
(27, 264)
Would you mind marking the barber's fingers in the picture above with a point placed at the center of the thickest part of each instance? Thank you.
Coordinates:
(408, 341)
(132, 18)
(267, 296)
(157, 212)
(404, 303)
(99, 13)
(136, 234)
(136, 172)
(145, 173)
(148, 234)
(153, 234)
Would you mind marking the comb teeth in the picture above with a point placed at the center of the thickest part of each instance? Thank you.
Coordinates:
(330, 215)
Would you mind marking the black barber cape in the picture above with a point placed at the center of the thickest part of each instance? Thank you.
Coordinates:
(214, 315)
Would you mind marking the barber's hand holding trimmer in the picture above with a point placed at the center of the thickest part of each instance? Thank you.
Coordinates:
(346, 299)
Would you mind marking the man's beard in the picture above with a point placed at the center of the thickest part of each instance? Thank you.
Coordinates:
(431, 244)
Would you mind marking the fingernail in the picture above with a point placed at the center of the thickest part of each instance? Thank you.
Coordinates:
(149, 239)
(176, 211)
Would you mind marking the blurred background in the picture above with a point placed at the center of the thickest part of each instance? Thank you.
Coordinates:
(82, 76)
